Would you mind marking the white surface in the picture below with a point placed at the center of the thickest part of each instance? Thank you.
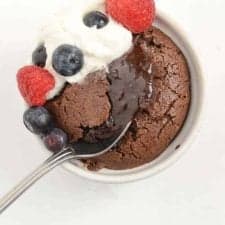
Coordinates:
(190, 192)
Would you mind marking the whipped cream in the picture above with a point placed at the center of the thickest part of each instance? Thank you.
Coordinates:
(99, 46)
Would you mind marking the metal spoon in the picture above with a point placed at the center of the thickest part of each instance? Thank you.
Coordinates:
(80, 150)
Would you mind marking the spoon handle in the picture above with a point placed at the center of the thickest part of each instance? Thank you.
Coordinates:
(43, 169)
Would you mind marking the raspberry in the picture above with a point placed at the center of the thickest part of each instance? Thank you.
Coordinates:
(34, 83)
(136, 15)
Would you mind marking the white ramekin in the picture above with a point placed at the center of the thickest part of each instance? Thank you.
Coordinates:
(188, 132)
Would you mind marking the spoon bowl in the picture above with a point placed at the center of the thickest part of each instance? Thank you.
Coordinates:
(84, 150)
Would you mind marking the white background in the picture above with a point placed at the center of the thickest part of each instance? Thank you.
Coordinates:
(190, 192)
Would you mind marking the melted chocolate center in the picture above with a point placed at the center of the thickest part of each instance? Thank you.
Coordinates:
(130, 79)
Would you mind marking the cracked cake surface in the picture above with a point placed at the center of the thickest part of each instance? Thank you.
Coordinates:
(154, 128)
(85, 111)
(81, 106)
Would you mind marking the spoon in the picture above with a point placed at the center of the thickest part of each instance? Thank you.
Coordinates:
(79, 150)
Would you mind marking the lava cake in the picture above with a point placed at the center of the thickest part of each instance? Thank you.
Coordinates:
(152, 80)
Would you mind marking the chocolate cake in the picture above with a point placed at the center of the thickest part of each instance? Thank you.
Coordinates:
(150, 85)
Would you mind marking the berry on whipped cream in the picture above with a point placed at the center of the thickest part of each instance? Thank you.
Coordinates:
(85, 37)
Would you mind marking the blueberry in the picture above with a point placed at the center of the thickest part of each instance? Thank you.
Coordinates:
(97, 19)
(67, 60)
(56, 140)
(38, 120)
(39, 56)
